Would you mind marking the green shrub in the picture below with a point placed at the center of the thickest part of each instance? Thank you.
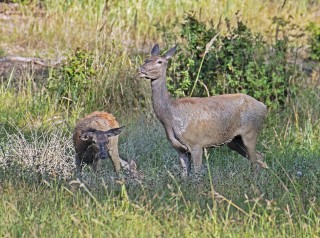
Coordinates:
(70, 82)
(238, 61)
(314, 41)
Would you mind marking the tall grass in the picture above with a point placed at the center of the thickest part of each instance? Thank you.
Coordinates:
(51, 27)
(38, 182)
(59, 211)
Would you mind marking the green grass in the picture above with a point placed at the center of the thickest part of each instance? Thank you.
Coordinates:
(59, 211)
(40, 195)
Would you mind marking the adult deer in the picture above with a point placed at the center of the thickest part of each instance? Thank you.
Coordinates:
(195, 123)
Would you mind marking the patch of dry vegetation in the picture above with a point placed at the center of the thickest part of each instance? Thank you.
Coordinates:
(50, 28)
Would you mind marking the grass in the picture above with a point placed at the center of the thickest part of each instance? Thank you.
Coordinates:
(47, 30)
(40, 195)
(38, 182)
(81, 215)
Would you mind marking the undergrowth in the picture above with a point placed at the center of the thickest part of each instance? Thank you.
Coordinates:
(223, 197)
(238, 61)
(101, 42)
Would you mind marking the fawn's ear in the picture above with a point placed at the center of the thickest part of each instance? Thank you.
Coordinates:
(114, 131)
(155, 50)
(170, 52)
(86, 136)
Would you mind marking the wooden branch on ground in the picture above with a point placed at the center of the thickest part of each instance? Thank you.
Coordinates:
(39, 61)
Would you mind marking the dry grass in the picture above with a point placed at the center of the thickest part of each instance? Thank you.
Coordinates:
(46, 153)
(56, 26)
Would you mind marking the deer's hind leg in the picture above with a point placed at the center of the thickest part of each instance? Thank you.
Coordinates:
(238, 146)
(249, 141)
(95, 165)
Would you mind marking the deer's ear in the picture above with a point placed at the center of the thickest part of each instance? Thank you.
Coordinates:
(114, 131)
(155, 50)
(170, 52)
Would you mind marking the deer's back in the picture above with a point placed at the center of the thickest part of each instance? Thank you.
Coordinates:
(95, 121)
(226, 105)
(216, 119)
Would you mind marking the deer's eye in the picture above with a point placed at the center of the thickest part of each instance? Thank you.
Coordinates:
(159, 61)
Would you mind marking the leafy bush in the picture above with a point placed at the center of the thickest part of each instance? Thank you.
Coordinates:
(238, 61)
(70, 82)
(184, 69)
(314, 41)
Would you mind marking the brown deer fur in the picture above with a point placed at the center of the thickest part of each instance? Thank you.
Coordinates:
(95, 137)
(194, 123)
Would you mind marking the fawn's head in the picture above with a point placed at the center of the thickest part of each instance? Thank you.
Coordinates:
(99, 139)
(155, 66)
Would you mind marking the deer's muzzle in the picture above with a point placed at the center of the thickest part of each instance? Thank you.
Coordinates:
(102, 152)
(142, 72)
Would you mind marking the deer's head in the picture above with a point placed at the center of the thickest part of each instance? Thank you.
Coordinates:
(99, 139)
(155, 66)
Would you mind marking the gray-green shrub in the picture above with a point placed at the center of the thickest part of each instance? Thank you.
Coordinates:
(237, 61)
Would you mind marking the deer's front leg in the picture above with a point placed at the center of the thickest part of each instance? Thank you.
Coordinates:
(196, 156)
(185, 162)
(79, 165)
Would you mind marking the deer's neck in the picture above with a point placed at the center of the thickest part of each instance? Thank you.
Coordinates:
(161, 100)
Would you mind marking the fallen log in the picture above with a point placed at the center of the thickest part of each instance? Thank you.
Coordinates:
(42, 62)
(17, 68)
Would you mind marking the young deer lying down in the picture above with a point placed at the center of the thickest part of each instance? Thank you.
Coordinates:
(96, 137)
(194, 123)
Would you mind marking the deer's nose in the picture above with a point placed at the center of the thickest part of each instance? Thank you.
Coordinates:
(103, 155)
(103, 152)
(142, 70)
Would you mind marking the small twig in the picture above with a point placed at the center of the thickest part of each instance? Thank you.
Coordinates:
(283, 4)
(208, 45)
(206, 88)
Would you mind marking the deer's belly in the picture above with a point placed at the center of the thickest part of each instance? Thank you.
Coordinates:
(206, 135)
